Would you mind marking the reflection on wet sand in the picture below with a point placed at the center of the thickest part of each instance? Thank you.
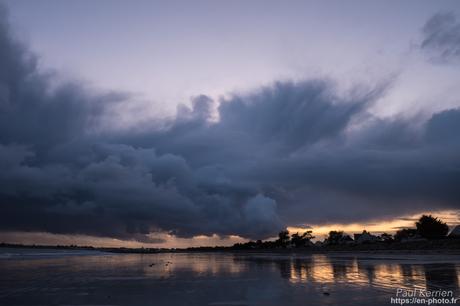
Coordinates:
(221, 279)
(366, 271)
(143, 264)
(388, 275)
(441, 276)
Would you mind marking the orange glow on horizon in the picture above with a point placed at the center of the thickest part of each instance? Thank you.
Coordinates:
(451, 217)
(320, 231)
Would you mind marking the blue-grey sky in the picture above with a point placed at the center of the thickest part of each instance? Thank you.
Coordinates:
(166, 121)
(167, 51)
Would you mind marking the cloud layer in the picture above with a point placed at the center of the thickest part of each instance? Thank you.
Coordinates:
(284, 154)
(441, 37)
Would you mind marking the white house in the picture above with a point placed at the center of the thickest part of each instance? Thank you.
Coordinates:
(455, 233)
(365, 237)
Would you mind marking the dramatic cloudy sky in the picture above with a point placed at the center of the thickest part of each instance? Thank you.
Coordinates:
(187, 123)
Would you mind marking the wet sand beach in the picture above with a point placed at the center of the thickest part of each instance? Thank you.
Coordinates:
(219, 278)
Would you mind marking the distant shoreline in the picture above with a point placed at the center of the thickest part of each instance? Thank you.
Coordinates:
(444, 246)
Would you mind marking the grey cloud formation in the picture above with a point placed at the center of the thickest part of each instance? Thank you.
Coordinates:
(289, 153)
(441, 37)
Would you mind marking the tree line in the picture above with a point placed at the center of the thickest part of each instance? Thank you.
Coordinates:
(426, 228)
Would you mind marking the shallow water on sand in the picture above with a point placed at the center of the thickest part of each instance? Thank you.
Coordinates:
(220, 278)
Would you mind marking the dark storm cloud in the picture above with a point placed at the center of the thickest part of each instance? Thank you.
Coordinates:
(441, 37)
(289, 153)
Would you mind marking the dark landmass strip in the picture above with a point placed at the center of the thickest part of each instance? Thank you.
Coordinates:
(431, 234)
(433, 245)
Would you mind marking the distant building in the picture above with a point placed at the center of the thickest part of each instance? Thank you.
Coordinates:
(455, 233)
(365, 237)
(319, 243)
(346, 239)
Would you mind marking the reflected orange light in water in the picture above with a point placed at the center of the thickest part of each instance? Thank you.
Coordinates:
(377, 271)
(320, 269)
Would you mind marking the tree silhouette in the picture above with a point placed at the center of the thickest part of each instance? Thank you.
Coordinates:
(335, 237)
(283, 238)
(405, 233)
(300, 240)
(430, 227)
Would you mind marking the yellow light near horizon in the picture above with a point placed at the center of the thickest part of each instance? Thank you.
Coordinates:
(451, 217)
(320, 231)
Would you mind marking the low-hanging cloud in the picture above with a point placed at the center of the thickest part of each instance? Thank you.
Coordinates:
(288, 153)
